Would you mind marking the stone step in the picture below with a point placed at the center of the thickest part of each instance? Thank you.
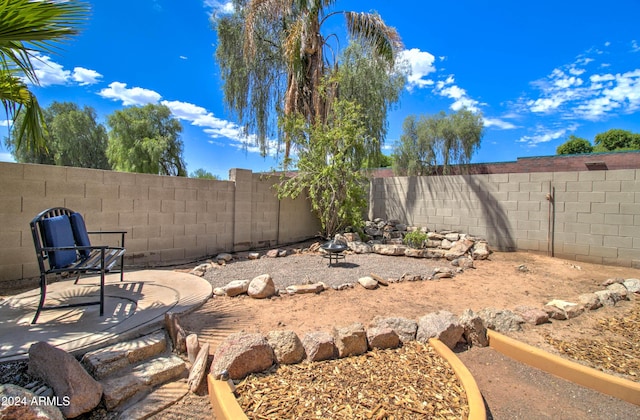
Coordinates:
(130, 385)
(159, 399)
(106, 361)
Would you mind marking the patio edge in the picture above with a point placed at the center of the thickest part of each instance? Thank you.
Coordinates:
(614, 386)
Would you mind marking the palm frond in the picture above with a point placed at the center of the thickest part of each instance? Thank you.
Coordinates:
(370, 28)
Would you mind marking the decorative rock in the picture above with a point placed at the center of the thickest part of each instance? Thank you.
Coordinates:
(501, 320)
(612, 280)
(452, 237)
(475, 333)
(283, 253)
(286, 346)
(262, 287)
(66, 376)
(632, 285)
(458, 249)
(463, 262)
(352, 237)
(319, 345)
(219, 291)
(27, 411)
(224, 257)
(360, 247)
(619, 291)
(480, 251)
(272, 253)
(241, 354)
(199, 368)
(350, 340)
(298, 289)
(193, 347)
(368, 282)
(253, 255)
(442, 325)
(568, 310)
(382, 338)
(410, 277)
(201, 269)
(533, 316)
(392, 250)
(590, 301)
(237, 287)
(606, 297)
(380, 280)
(405, 328)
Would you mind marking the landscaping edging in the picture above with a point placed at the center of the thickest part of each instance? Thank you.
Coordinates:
(620, 388)
(226, 407)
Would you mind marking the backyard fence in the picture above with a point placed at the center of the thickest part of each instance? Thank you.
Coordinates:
(168, 219)
(591, 216)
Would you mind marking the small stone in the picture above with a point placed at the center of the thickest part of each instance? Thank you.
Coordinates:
(368, 282)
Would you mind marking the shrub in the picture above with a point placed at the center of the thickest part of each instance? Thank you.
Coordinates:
(415, 239)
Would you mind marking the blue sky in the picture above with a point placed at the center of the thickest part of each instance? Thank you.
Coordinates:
(537, 71)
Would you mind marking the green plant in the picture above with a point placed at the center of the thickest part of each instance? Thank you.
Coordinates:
(415, 239)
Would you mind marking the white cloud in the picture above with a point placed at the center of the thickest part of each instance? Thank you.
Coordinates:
(498, 123)
(219, 7)
(635, 47)
(421, 64)
(129, 96)
(574, 91)
(448, 89)
(215, 127)
(49, 72)
(85, 76)
(544, 135)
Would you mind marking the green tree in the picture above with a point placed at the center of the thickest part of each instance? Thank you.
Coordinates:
(415, 154)
(74, 138)
(616, 139)
(284, 59)
(329, 158)
(29, 28)
(202, 174)
(146, 140)
(442, 139)
(575, 145)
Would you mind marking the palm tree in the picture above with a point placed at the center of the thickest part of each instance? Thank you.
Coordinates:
(29, 28)
(283, 59)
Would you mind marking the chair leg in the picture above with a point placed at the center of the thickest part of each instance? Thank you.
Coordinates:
(43, 294)
(122, 268)
(102, 293)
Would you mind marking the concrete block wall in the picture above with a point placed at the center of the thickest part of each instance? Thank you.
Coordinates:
(594, 216)
(168, 219)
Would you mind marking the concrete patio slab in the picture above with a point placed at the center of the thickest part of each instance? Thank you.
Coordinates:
(132, 308)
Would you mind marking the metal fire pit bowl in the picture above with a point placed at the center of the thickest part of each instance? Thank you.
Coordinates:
(334, 251)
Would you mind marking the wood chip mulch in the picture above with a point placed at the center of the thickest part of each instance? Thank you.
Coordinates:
(412, 382)
(616, 351)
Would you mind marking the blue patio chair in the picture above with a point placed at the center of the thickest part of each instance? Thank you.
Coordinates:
(62, 245)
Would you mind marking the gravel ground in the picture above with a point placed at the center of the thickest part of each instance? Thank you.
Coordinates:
(306, 267)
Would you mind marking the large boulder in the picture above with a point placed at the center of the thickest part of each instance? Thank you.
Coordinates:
(350, 340)
(403, 327)
(319, 345)
(66, 376)
(442, 325)
(241, 354)
(458, 249)
(392, 250)
(286, 346)
(237, 287)
(18, 403)
(475, 333)
(382, 338)
(262, 287)
(501, 320)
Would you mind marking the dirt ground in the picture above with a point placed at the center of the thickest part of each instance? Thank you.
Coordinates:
(505, 281)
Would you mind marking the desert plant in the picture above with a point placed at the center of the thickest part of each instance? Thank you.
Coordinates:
(415, 239)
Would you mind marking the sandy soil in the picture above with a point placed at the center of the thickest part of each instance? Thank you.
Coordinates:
(506, 280)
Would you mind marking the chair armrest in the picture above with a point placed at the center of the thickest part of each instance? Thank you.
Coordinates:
(99, 232)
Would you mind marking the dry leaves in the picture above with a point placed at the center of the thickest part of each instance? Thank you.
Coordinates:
(616, 351)
(411, 382)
